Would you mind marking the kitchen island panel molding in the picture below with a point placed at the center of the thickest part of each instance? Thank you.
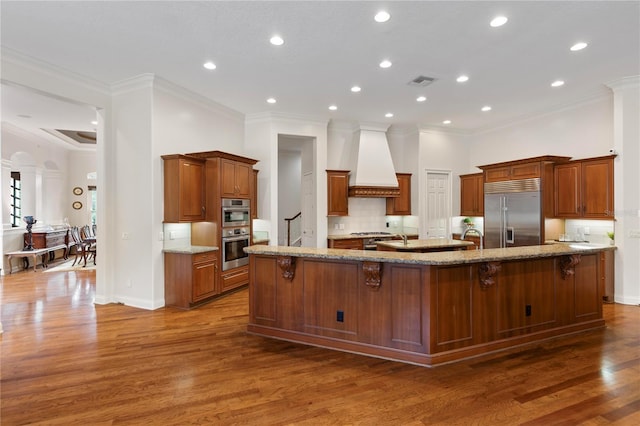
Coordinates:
(423, 312)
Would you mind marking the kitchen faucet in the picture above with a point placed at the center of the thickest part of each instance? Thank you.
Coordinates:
(477, 231)
(404, 238)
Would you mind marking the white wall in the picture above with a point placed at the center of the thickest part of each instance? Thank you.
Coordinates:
(262, 132)
(581, 131)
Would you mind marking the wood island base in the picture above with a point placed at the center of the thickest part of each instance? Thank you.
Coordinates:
(425, 312)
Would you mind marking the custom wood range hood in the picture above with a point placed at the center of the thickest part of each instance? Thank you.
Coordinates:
(374, 175)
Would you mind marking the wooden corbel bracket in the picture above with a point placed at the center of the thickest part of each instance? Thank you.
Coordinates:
(486, 272)
(372, 274)
(287, 265)
(567, 265)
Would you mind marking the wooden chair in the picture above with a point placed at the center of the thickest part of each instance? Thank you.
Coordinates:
(85, 247)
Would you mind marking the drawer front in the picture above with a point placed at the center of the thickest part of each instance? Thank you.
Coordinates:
(204, 257)
(235, 278)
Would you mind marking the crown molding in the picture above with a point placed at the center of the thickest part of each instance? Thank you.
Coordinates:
(274, 117)
(189, 96)
(631, 82)
(15, 57)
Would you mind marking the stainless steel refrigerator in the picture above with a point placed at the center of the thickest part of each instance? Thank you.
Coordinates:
(512, 213)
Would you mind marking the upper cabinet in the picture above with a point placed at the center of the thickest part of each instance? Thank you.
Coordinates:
(472, 194)
(401, 206)
(254, 194)
(235, 179)
(184, 198)
(584, 189)
(520, 169)
(337, 192)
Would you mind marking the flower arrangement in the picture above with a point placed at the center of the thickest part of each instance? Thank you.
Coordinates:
(611, 235)
(468, 221)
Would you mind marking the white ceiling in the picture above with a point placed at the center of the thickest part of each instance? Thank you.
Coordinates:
(331, 46)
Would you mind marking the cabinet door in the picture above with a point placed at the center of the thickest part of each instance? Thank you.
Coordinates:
(337, 193)
(472, 195)
(401, 205)
(227, 178)
(254, 194)
(204, 280)
(597, 189)
(568, 200)
(498, 174)
(243, 177)
(348, 244)
(191, 191)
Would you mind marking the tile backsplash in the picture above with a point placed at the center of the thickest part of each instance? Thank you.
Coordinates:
(369, 214)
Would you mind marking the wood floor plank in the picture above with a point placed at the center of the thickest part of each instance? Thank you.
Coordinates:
(67, 361)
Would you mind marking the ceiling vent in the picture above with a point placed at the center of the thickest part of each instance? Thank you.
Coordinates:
(421, 81)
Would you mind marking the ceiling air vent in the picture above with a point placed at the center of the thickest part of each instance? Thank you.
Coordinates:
(421, 81)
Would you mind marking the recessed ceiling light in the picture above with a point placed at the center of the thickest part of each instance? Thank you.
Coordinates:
(271, 101)
(462, 79)
(276, 40)
(382, 16)
(421, 98)
(210, 65)
(446, 122)
(498, 21)
(557, 83)
(388, 115)
(333, 107)
(486, 108)
(356, 89)
(385, 64)
(578, 46)
(94, 122)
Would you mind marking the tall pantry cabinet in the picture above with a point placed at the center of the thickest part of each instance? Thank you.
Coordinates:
(198, 278)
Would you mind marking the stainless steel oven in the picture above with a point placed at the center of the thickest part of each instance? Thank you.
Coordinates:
(234, 240)
(235, 212)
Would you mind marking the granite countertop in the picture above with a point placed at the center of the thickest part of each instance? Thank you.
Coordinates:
(432, 243)
(438, 258)
(372, 235)
(190, 249)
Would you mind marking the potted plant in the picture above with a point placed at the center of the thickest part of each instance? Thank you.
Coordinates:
(611, 236)
(468, 221)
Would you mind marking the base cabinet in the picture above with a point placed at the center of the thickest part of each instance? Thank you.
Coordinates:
(234, 278)
(190, 279)
(346, 243)
(423, 314)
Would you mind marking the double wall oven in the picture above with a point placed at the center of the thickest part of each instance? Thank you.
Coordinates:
(236, 215)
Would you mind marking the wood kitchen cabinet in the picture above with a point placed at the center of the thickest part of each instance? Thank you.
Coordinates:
(337, 192)
(234, 278)
(254, 194)
(472, 194)
(346, 243)
(520, 169)
(184, 197)
(401, 206)
(584, 189)
(190, 278)
(235, 179)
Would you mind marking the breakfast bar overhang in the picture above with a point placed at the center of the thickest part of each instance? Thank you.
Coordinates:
(424, 308)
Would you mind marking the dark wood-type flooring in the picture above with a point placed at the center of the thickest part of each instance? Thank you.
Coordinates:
(66, 361)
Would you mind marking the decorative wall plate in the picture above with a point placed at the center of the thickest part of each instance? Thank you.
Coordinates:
(77, 205)
(77, 190)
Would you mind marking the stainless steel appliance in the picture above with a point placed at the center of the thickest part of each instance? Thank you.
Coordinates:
(235, 212)
(234, 240)
(512, 213)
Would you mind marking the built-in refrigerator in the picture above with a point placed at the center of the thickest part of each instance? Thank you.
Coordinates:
(512, 213)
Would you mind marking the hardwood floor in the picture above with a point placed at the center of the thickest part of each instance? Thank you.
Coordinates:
(67, 361)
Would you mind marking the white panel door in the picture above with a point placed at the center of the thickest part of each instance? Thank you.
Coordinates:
(438, 205)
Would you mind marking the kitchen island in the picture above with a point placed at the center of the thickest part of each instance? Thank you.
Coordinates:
(425, 246)
(424, 308)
